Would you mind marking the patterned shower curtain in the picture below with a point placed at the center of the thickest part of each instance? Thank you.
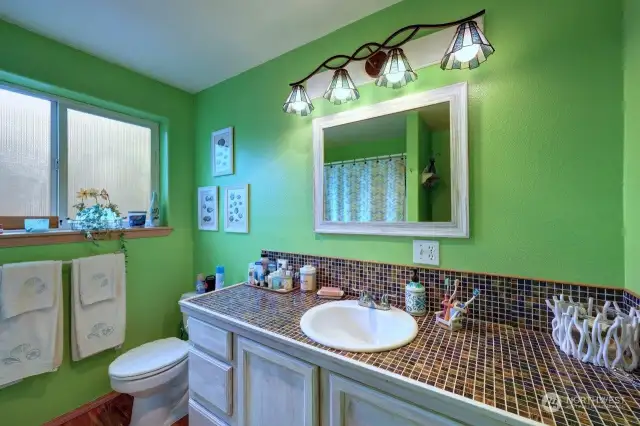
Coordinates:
(363, 191)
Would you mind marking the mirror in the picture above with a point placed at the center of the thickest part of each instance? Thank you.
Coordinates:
(395, 168)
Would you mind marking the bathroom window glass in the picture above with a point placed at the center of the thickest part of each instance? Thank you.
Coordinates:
(51, 147)
(25, 154)
(110, 154)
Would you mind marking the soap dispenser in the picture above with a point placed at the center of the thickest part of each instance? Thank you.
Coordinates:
(415, 297)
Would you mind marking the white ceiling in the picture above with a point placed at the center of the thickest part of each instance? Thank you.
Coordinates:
(190, 44)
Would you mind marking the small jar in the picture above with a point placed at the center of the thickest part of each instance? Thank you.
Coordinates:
(308, 278)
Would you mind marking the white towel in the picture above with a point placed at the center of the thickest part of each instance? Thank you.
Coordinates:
(97, 277)
(31, 343)
(28, 286)
(99, 326)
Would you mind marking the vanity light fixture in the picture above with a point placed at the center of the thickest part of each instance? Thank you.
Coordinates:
(396, 71)
(342, 89)
(469, 48)
(298, 102)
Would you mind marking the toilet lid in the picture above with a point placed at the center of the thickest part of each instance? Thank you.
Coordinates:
(149, 358)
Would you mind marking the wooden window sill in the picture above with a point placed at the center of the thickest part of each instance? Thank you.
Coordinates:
(54, 236)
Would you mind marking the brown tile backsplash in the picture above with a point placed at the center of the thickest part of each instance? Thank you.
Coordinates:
(505, 300)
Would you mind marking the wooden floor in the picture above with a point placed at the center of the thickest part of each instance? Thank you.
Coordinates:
(116, 412)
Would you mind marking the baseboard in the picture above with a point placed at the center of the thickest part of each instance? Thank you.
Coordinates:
(80, 411)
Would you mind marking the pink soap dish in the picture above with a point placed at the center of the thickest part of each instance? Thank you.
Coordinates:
(332, 293)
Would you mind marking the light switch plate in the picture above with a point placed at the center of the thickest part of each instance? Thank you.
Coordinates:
(426, 252)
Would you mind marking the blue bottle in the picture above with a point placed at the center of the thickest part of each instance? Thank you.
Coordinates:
(219, 277)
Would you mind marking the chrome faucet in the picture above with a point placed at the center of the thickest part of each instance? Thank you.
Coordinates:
(366, 300)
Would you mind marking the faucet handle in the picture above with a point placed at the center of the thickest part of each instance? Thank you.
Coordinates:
(384, 301)
(365, 296)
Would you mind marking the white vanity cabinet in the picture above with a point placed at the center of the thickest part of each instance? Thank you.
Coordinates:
(236, 381)
(274, 388)
(348, 403)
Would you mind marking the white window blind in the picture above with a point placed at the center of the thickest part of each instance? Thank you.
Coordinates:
(25, 155)
(50, 148)
(109, 154)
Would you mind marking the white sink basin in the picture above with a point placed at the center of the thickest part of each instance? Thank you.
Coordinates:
(346, 326)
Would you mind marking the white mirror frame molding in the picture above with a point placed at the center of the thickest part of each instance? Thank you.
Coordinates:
(456, 95)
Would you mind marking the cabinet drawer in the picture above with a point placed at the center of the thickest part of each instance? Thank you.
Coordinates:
(212, 339)
(211, 381)
(199, 416)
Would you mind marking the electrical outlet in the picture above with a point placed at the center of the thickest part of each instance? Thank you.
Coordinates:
(426, 252)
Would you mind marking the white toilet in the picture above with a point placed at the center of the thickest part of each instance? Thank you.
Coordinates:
(156, 375)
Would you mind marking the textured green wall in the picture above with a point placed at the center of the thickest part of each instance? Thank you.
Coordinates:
(544, 196)
(160, 269)
(350, 151)
(441, 194)
(632, 145)
(413, 150)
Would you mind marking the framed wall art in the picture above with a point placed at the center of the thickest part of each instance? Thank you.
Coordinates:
(208, 208)
(222, 152)
(236, 208)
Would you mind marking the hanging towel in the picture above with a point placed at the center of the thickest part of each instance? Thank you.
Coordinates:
(101, 325)
(28, 286)
(31, 342)
(97, 276)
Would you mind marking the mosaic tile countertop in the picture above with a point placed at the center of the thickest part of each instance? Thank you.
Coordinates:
(511, 369)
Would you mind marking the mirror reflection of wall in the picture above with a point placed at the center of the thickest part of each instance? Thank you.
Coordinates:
(393, 168)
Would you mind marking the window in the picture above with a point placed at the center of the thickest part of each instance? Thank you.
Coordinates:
(50, 148)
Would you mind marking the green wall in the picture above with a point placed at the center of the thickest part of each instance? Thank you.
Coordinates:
(539, 110)
(159, 269)
(632, 145)
(441, 194)
(425, 201)
(414, 147)
(350, 151)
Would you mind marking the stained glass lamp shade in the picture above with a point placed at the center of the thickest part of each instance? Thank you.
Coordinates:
(298, 102)
(342, 89)
(469, 48)
(396, 71)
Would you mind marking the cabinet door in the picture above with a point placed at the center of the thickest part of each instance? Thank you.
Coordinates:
(353, 404)
(275, 389)
(199, 416)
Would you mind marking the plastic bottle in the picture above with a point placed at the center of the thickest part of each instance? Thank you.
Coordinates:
(200, 287)
(219, 277)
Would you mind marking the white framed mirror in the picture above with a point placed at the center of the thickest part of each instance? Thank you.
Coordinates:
(398, 167)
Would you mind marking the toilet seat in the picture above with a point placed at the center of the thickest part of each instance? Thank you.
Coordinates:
(149, 359)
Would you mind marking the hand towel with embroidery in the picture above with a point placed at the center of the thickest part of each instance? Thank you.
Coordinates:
(28, 286)
(101, 325)
(31, 342)
(97, 276)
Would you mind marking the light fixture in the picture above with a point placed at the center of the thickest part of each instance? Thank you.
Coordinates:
(298, 102)
(469, 48)
(396, 71)
(341, 89)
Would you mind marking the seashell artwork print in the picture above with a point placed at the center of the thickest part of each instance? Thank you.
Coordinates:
(222, 152)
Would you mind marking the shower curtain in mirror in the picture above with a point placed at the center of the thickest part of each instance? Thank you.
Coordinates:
(363, 191)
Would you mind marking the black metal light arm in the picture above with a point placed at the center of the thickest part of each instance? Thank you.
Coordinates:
(384, 45)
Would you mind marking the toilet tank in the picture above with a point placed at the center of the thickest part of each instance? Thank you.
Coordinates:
(185, 316)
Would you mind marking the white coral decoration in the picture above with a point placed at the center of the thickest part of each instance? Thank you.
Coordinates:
(609, 339)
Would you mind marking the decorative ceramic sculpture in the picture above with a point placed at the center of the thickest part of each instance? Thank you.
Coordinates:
(609, 339)
(453, 311)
